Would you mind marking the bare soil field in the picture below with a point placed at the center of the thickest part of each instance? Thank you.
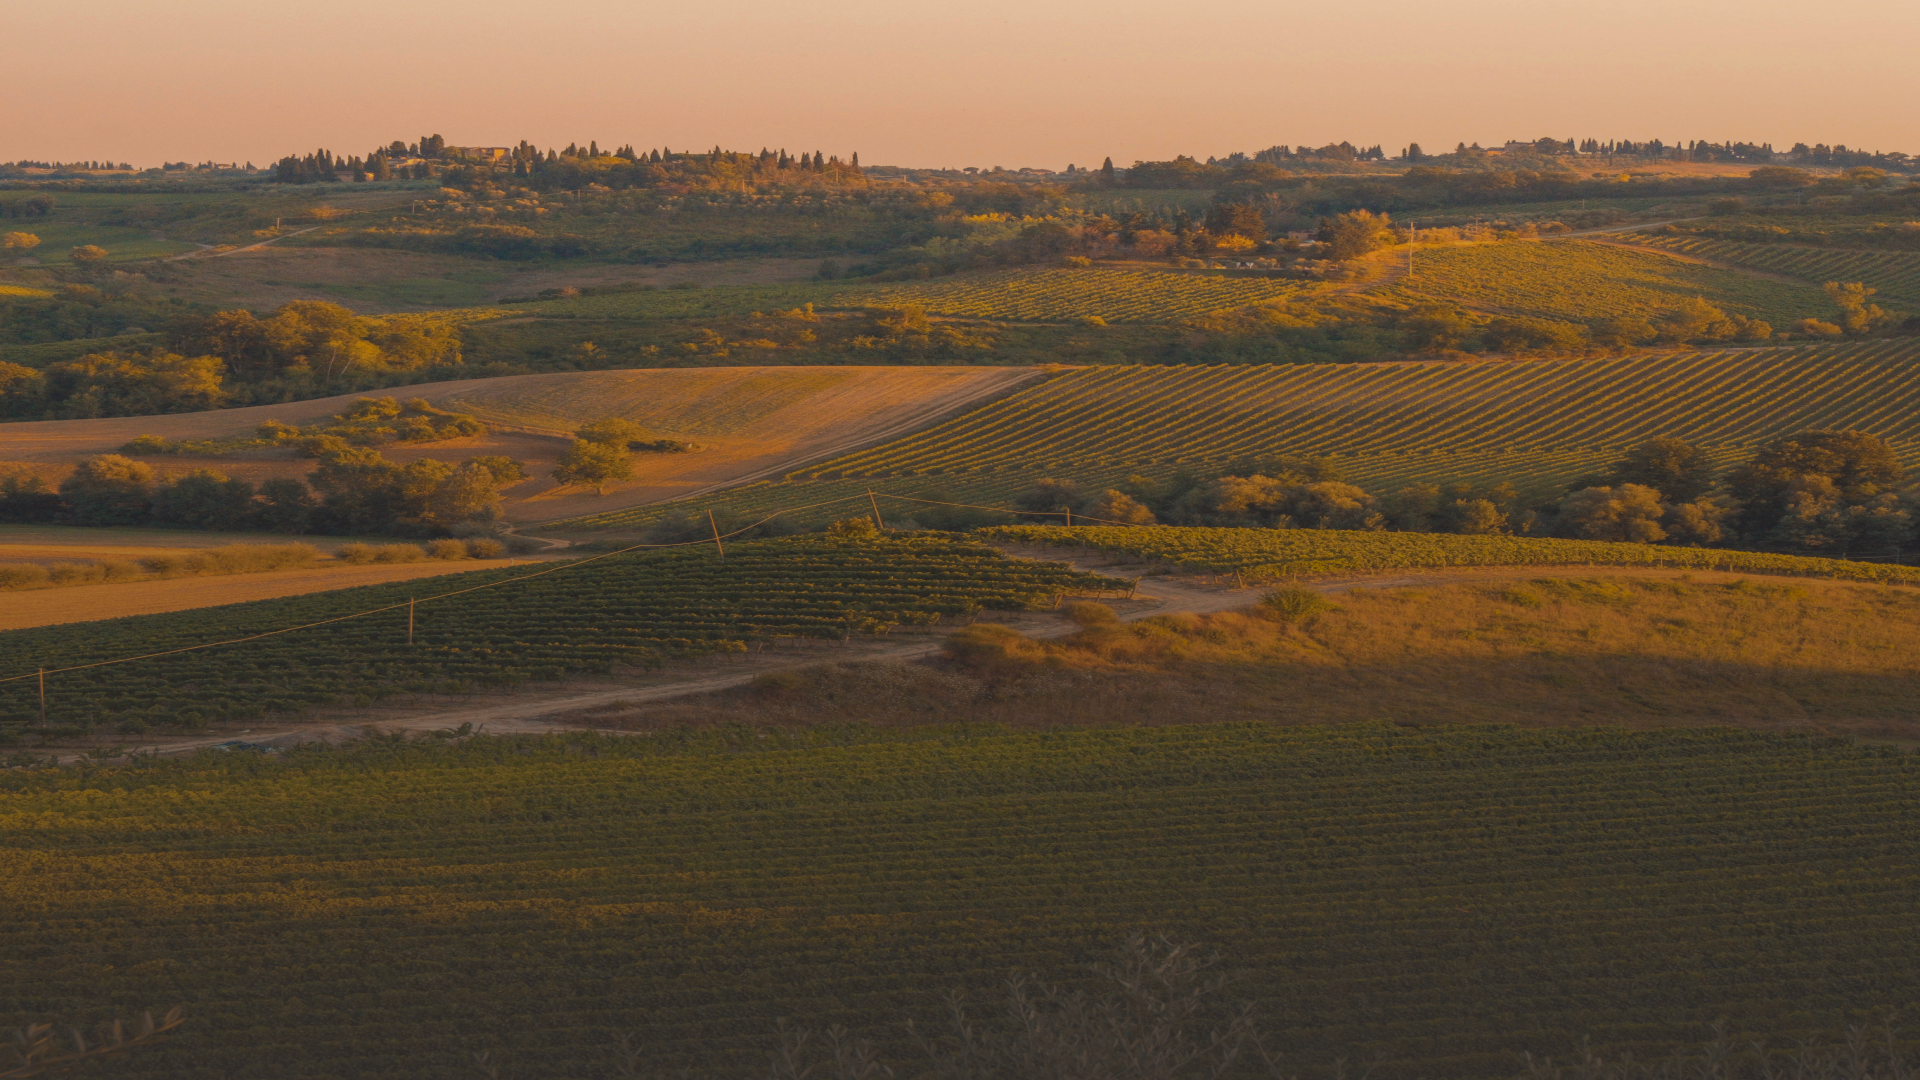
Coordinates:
(752, 421)
(85, 603)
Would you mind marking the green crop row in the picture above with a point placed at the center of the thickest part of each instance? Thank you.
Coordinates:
(1265, 554)
(1895, 273)
(1438, 898)
(1111, 295)
(1534, 423)
(634, 610)
(1585, 281)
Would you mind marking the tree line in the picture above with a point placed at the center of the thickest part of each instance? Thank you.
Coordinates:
(302, 349)
(574, 167)
(354, 490)
(1817, 492)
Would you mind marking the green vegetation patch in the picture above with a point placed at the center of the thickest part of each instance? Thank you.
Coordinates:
(1585, 281)
(634, 610)
(1112, 295)
(1895, 273)
(686, 303)
(1442, 898)
(1262, 554)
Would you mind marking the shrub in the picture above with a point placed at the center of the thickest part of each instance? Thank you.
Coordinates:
(447, 549)
(399, 553)
(1087, 613)
(1294, 605)
(357, 554)
(989, 645)
(860, 528)
(482, 548)
(23, 576)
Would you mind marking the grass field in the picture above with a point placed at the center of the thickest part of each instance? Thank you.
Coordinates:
(59, 234)
(1583, 281)
(1533, 423)
(1113, 295)
(1528, 646)
(677, 303)
(1895, 273)
(1265, 554)
(1442, 898)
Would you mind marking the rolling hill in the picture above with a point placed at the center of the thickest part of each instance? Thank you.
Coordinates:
(1533, 423)
(751, 421)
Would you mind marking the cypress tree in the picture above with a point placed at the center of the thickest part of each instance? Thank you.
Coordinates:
(1106, 171)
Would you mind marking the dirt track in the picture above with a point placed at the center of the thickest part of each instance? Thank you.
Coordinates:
(545, 710)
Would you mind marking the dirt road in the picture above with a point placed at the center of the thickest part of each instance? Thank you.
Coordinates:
(543, 710)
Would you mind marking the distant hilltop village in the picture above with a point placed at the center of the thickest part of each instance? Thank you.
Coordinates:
(430, 155)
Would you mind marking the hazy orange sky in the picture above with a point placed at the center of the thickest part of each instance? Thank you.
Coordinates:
(991, 82)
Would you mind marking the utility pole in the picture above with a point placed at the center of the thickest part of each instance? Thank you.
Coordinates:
(715, 526)
(875, 503)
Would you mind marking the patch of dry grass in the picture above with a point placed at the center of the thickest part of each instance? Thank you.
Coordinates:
(1616, 650)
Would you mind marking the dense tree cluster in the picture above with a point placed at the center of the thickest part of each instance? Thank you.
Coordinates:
(354, 490)
(575, 167)
(1815, 492)
(313, 336)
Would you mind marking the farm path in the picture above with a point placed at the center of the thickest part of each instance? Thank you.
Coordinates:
(206, 250)
(570, 708)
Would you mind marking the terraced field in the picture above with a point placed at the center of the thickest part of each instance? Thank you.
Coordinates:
(1895, 273)
(1533, 423)
(1583, 281)
(1439, 897)
(1114, 295)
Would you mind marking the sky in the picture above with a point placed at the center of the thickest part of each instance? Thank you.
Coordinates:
(1042, 83)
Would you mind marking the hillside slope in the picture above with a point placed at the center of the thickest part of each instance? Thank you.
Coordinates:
(750, 420)
(1533, 423)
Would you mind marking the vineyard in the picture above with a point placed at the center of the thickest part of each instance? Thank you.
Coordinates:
(1895, 273)
(634, 610)
(685, 303)
(1536, 424)
(1438, 897)
(1581, 281)
(1264, 554)
(1112, 295)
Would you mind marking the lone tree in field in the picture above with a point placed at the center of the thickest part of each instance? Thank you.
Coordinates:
(19, 243)
(596, 463)
(88, 256)
(1353, 234)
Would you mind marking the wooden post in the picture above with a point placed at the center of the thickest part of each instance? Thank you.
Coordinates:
(43, 697)
(409, 620)
(875, 503)
(715, 526)
(1069, 517)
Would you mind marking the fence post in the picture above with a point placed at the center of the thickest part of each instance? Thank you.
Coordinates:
(43, 697)
(875, 503)
(715, 526)
(409, 620)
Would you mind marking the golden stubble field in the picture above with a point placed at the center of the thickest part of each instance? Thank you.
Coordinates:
(752, 421)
